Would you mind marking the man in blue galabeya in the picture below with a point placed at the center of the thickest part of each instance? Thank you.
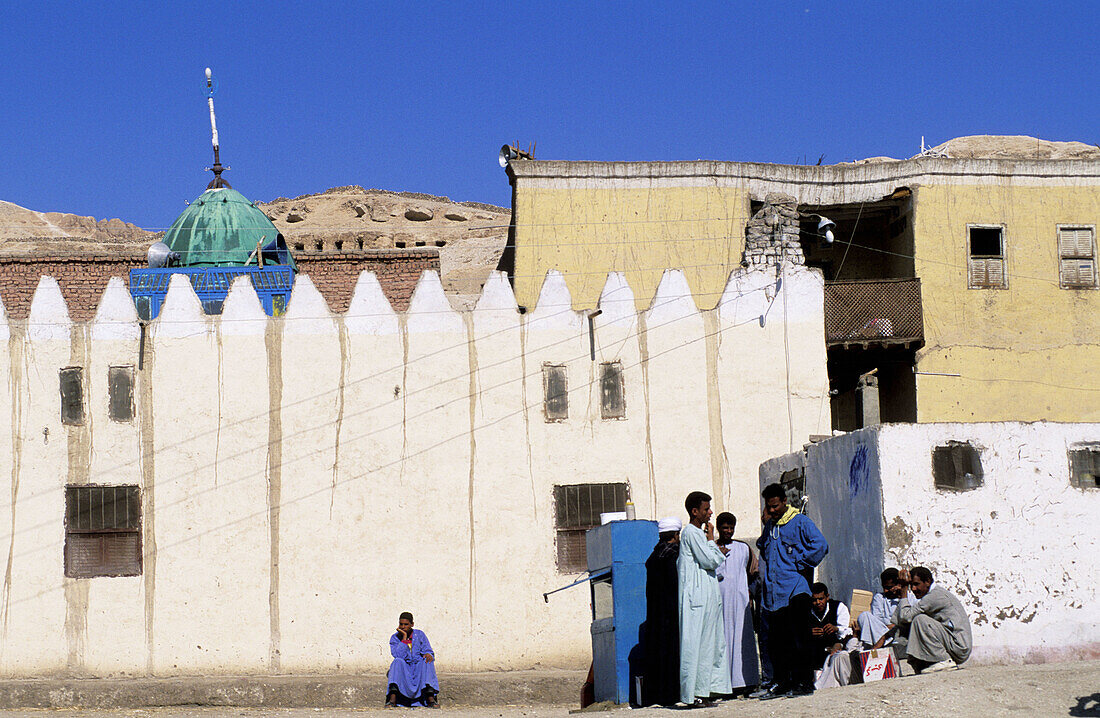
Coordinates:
(411, 679)
(790, 547)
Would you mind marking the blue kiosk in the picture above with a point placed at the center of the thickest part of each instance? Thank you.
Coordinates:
(617, 552)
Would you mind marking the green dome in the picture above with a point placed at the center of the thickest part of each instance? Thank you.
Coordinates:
(221, 228)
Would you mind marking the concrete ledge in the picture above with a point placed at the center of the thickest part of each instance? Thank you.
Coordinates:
(547, 687)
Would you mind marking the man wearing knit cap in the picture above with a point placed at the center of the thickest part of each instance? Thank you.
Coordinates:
(661, 630)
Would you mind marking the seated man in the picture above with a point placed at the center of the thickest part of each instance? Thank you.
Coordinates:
(939, 629)
(876, 627)
(411, 678)
(831, 638)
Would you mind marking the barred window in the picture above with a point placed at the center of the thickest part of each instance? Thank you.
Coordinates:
(102, 531)
(986, 265)
(612, 400)
(577, 508)
(957, 466)
(1076, 258)
(555, 392)
(1084, 466)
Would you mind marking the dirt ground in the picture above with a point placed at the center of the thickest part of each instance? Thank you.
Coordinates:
(1055, 689)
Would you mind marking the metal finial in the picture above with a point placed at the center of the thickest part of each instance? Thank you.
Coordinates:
(217, 169)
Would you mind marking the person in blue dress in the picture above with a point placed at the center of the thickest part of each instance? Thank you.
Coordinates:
(411, 678)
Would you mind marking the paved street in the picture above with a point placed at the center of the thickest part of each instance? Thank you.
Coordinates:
(1058, 689)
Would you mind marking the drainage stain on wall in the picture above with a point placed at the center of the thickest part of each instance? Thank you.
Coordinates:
(643, 360)
(148, 502)
(719, 462)
(273, 337)
(15, 391)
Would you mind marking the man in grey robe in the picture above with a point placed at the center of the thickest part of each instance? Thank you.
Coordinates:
(939, 629)
(733, 584)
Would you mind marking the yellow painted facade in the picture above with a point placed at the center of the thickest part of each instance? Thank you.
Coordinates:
(1024, 353)
(586, 233)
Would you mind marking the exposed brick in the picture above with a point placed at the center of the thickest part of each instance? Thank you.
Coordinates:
(83, 278)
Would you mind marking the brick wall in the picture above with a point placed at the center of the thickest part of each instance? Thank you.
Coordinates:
(335, 273)
(83, 277)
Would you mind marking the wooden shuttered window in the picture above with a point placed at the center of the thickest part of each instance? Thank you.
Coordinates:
(986, 259)
(1084, 466)
(1076, 258)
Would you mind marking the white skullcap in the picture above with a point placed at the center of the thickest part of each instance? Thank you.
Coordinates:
(669, 524)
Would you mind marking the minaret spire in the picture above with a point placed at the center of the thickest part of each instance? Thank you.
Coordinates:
(217, 169)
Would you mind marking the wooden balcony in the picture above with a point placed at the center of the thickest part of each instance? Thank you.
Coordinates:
(879, 313)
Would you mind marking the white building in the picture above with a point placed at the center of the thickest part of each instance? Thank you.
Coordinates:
(1005, 515)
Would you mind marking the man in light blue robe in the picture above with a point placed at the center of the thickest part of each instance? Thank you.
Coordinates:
(411, 679)
(704, 665)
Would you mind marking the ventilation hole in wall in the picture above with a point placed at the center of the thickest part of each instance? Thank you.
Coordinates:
(360, 244)
(440, 243)
(299, 247)
(399, 244)
(320, 246)
(420, 243)
(339, 244)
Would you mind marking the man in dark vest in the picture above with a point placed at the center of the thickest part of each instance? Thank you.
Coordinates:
(661, 637)
(830, 638)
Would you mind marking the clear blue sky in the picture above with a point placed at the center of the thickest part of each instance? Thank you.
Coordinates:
(104, 114)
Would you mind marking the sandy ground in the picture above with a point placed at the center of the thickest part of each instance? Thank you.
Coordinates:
(1056, 689)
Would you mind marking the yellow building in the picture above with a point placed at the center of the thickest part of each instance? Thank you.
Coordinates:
(963, 289)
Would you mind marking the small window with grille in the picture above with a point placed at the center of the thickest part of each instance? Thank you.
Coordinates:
(555, 392)
(1076, 258)
(612, 400)
(1084, 466)
(71, 381)
(957, 466)
(986, 263)
(577, 508)
(102, 531)
(120, 393)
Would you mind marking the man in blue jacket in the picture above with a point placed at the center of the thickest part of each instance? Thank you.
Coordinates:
(790, 547)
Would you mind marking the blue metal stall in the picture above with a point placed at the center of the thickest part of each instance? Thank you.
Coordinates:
(617, 553)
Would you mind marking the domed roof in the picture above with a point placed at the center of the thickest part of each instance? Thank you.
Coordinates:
(221, 228)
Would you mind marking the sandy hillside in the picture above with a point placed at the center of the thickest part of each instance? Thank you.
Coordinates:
(470, 236)
(26, 231)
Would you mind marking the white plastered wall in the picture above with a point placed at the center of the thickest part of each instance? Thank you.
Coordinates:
(307, 478)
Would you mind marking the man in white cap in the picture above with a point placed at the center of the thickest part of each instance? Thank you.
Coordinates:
(661, 630)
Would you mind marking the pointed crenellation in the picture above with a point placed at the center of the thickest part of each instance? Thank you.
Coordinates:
(242, 314)
(496, 309)
(49, 315)
(616, 303)
(116, 317)
(429, 310)
(672, 301)
(554, 309)
(308, 312)
(369, 312)
(181, 315)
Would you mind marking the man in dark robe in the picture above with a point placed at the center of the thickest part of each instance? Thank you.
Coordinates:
(661, 639)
